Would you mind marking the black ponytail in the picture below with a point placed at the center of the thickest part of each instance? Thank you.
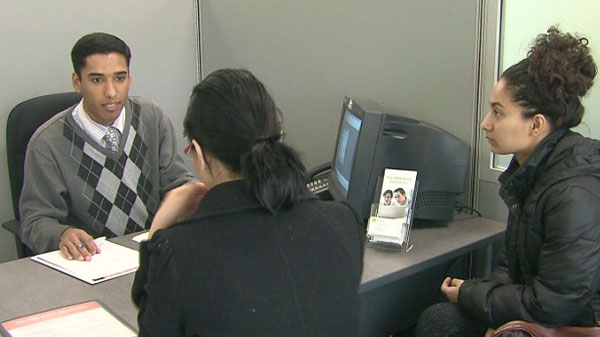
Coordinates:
(275, 175)
(234, 118)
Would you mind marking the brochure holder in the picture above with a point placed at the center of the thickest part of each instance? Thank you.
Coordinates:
(390, 221)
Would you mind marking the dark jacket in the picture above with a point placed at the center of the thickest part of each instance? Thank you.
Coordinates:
(550, 267)
(234, 269)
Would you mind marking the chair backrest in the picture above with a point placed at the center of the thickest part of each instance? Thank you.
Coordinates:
(22, 122)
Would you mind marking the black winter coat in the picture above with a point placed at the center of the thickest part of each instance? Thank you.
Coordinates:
(234, 269)
(550, 267)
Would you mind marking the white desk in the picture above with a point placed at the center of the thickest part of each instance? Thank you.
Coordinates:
(391, 282)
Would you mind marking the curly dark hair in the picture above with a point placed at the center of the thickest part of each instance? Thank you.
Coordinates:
(557, 72)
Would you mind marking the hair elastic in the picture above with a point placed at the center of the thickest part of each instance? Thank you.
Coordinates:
(268, 139)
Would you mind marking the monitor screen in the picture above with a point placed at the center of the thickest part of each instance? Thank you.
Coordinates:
(346, 148)
(373, 137)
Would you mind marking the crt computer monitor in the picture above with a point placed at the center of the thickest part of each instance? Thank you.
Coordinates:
(373, 136)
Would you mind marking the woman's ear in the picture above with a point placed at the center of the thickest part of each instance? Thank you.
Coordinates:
(196, 146)
(540, 125)
(197, 150)
(204, 156)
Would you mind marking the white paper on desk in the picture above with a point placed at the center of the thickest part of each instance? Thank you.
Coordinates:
(114, 260)
(141, 237)
(89, 319)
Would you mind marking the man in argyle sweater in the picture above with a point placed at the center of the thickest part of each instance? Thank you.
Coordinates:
(77, 186)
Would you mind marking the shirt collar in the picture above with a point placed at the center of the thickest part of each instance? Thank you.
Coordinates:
(95, 129)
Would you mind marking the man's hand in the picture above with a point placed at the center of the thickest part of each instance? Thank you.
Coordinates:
(76, 244)
(450, 288)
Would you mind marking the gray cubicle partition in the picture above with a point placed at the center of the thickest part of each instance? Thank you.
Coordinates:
(417, 55)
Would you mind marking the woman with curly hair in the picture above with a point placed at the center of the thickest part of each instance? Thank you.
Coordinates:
(549, 271)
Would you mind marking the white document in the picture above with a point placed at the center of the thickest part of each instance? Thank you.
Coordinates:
(141, 237)
(89, 319)
(114, 260)
(393, 228)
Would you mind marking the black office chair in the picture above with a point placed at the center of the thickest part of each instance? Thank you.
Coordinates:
(22, 121)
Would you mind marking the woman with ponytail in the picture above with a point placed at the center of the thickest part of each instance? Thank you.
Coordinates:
(249, 251)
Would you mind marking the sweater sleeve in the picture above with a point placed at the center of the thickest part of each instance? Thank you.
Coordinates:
(156, 290)
(173, 172)
(43, 205)
(567, 267)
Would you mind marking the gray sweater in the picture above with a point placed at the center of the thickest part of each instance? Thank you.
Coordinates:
(72, 181)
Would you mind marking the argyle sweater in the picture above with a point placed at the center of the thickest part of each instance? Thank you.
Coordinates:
(72, 181)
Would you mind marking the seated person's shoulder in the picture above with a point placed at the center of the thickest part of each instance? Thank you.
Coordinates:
(336, 209)
(146, 105)
(50, 130)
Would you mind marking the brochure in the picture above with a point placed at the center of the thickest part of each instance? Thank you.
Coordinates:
(392, 209)
(88, 319)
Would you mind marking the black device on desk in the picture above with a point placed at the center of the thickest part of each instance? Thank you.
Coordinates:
(372, 137)
(318, 181)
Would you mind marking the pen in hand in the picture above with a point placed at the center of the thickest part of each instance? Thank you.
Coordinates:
(76, 244)
(97, 242)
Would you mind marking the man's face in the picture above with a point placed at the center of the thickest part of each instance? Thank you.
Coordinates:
(104, 85)
(400, 199)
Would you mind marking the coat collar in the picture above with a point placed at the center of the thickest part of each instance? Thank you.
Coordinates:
(230, 197)
(563, 154)
(224, 198)
(517, 179)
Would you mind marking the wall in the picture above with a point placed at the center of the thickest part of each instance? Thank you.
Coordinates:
(416, 55)
(36, 37)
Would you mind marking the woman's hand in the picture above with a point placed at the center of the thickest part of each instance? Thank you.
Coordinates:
(450, 287)
(178, 205)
